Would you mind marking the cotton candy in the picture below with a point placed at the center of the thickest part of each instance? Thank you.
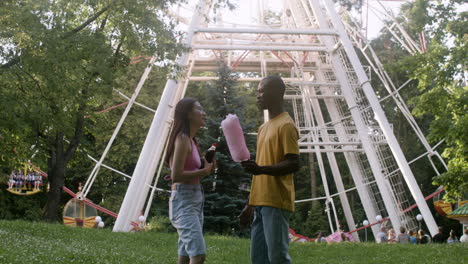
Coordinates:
(235, 138)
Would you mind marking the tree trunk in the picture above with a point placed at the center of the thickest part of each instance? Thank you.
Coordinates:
(59, 158)
(313, 179)
(56, 178)
(56, 182)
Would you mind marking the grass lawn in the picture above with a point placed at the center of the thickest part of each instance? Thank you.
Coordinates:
(26, 242)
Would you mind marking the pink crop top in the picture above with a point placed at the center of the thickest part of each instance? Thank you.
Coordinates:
(192, 163)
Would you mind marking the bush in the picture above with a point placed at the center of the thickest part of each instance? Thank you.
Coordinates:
(160, 224)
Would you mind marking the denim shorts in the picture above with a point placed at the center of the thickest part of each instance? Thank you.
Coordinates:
(186, 215)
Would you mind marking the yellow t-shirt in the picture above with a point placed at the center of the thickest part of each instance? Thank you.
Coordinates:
(275, 139)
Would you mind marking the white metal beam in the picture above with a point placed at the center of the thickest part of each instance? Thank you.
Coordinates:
(360, 124)
(264, 48)
(267, 31)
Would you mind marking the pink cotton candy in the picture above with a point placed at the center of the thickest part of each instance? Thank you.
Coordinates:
(235, 138)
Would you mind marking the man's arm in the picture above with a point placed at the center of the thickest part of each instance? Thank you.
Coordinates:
(246, 216)
(288, 165)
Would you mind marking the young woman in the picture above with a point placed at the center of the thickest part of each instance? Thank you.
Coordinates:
(187, 169)
(452, 238)
(391, 236)
(422, 238)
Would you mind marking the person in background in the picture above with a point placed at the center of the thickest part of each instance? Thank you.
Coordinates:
(11, 180)
(412, 238)
(403, 238)
(344, 238)
(272, 194)
(20, 180)
(391, 236)
(321, 238)
(452, 238)
(187, 169)
(439, 237)
(464, 237)
(37, 180)
(422, 238)
(382, 236)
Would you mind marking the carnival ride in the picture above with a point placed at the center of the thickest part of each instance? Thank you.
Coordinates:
(79, 213)
(336, 109)
(312, 48)
(25, 181)
(443, 207)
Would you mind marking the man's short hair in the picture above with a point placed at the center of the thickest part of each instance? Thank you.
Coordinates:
(275, 82)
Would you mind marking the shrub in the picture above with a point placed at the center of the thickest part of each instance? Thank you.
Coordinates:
(160, 224)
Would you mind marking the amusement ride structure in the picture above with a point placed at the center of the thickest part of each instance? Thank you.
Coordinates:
(337, 112)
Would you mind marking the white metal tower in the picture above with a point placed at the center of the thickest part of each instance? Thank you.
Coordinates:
(334, 105)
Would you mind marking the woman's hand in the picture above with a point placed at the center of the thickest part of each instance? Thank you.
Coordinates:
(209, 167)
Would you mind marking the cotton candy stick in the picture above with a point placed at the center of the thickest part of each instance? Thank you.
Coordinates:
(235, 138)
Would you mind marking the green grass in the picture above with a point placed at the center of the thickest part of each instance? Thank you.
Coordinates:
(27, 242)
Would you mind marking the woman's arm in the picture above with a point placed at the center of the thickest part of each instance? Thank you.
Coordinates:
(182, 149)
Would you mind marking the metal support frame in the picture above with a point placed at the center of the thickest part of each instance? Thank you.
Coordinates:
(383, 122)
(153, 147)
(267, 31)
(327, 73)
(333, 164)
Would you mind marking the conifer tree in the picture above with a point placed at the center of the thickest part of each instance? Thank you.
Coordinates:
(224, 198)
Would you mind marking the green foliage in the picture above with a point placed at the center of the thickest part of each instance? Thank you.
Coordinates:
(418, 12)
(223, 199)
(316, 220)
(61, 60)
(26, 242)
(351, 4)
(301, 220)
(400, 66)
(309, 222)
(160, 224)
(438, 98)
(441, 75)
(20, 207)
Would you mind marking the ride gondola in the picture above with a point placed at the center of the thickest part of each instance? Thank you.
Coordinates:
(26, 181)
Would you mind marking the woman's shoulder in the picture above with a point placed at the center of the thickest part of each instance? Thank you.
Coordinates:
(183, 140)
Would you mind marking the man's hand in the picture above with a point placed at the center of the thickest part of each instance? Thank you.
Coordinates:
(245, 217)
(251, 166)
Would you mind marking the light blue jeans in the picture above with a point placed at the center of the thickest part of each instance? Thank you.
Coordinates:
(186, 215)
(270, 240)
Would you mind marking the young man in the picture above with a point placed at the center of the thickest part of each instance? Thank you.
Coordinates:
(403, 238)
(272, 194)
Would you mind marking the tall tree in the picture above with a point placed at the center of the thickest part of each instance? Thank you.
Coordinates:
(224, 199)
(61, 60)
(442, 79)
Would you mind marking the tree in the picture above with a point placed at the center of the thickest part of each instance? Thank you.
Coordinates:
(351, 4)
(62, 59)
(224, 200)
(441, 75)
